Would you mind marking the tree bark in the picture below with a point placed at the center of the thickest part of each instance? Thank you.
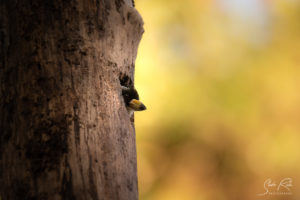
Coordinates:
(65, 131)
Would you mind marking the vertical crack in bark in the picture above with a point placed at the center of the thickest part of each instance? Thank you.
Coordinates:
(77, 144)
(67, 192)
(76, 125)
(92, 184)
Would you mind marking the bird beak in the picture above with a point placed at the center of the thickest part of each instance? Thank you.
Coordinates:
(137, 105)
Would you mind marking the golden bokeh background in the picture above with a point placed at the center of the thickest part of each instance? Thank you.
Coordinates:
(221, 80)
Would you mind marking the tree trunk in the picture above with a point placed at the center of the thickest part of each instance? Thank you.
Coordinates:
(65, 131)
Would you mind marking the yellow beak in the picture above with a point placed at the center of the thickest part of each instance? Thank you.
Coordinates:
(137, 105)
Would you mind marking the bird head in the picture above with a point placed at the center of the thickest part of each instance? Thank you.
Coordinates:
(131, 98)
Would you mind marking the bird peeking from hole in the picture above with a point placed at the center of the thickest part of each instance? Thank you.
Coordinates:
(131, 98)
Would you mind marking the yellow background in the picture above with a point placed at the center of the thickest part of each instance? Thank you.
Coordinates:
(221, 80)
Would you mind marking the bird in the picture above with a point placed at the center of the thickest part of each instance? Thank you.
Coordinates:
(131, 99)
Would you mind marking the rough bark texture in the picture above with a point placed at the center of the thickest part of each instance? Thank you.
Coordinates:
(65, 131)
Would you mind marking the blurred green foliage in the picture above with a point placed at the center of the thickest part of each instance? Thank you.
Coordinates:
(221, 80)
